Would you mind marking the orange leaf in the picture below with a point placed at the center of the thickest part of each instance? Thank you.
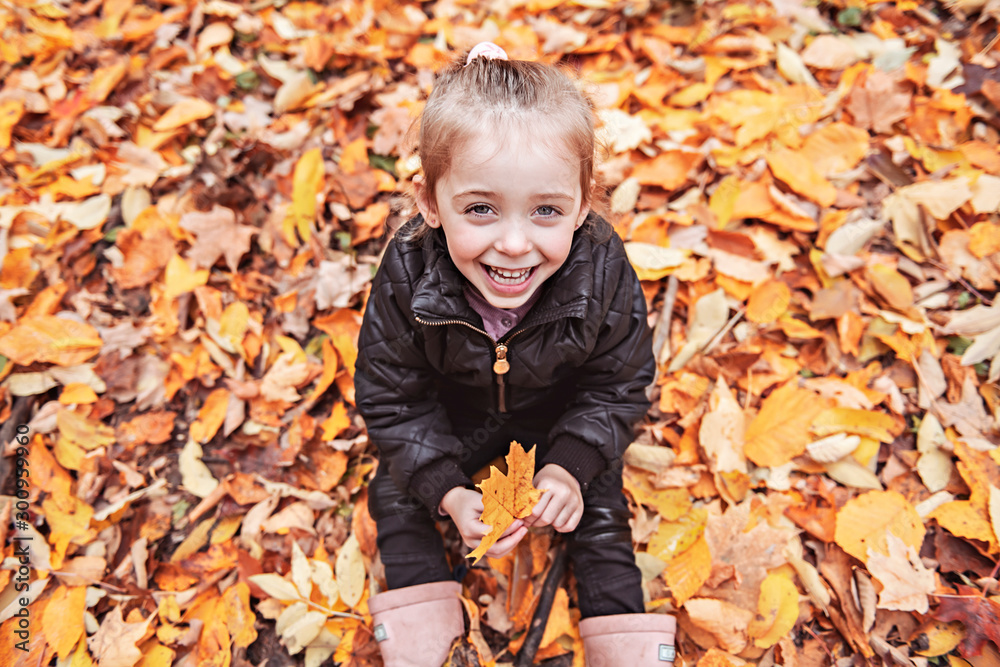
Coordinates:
(835, 148)
(668, 170)
(507, 497)
(186, 111)
(780, 431)
(76, 393)
(330, 367)
(50, 339)
(336, 423)
(865, 522)
(11, 112)
(686, 573)
(964, 518)
(368, 224)
(239, 617)
(796, 170)
(891, 285)
(211, 416)
(768, 302)
(62, 620)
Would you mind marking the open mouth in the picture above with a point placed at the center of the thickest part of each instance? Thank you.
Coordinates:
(509, 276)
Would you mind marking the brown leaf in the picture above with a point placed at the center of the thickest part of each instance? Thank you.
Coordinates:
(980, 615)
(218, 235)
(877, 103)
(114, 643)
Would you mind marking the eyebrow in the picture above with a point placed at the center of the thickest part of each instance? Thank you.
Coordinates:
(490, 193)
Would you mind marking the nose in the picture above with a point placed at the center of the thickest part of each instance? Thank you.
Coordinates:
(513, 239)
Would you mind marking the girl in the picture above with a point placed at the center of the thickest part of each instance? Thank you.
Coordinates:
(506, 310)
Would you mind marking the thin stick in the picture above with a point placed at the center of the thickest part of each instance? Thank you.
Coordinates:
(661, 334)
(526, 656)
(959, 279)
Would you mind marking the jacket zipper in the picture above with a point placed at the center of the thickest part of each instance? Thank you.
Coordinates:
(500, 366)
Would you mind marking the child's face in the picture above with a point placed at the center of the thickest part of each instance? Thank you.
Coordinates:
(508, 210)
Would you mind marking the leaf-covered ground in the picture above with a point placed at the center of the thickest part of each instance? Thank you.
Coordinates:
(192, 199)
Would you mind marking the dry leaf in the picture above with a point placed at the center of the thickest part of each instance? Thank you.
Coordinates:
(218, 235)
(780, 431)
(507, 497)
(906, 583)
(114, 643)
(50, 339)
(726, 622)
(864, 523)
(350, 569)
(777, 611)
(195, 475)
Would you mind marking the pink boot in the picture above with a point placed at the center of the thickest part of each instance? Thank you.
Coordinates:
(636, 640)
(415, 626)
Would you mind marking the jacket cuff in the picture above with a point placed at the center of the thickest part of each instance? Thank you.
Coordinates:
(580, 459)
(434, 480)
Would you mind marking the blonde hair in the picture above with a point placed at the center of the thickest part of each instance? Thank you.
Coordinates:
(505, 95)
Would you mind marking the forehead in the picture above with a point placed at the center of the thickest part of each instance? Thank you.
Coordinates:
(516, 155)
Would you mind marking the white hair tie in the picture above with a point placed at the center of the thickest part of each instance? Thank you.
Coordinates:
(486, 50)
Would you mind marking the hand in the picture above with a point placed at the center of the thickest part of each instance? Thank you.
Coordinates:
(465, 506)
(561, 505)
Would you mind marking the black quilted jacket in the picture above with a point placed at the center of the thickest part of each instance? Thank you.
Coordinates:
(582, 353)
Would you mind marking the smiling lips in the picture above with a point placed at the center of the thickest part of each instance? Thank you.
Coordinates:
(508, 277)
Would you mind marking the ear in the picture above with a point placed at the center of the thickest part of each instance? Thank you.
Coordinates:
(425, 203)
(584, 210)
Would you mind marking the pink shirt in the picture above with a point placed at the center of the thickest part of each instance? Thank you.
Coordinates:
(498, 321)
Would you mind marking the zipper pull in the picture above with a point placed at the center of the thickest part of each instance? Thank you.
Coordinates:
(502, 365)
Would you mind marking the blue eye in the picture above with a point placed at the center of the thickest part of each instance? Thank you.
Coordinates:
(479, 209)
(547, 211)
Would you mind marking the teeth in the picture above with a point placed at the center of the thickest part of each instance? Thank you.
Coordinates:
(505, 277)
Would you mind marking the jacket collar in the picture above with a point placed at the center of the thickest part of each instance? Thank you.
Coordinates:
(437, 293)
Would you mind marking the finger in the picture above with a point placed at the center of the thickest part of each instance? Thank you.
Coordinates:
(539, 509)
(512, 527)
(562, 521)
(505, 545)
(575, 520)
(551, 512)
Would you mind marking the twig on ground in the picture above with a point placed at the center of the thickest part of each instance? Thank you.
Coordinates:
(526, 656)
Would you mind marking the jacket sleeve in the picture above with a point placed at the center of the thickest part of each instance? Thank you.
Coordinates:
(396, 394)
(597, 427)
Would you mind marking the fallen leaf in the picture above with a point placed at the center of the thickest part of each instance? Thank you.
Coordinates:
(777, 611)
(188, 110)
(114, 643)
(865, 522)
(507, 497)
(195, 475)
(50, 339)
(877, 103)
(687, 572)
(350, 570)
(780, 431)
(906, 583)
(217, 235)
(62, 620)
(724, 621)
(980, 615)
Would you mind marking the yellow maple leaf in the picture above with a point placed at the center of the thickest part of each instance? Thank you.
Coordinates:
(507, 497)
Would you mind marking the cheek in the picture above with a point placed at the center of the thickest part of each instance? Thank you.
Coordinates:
(463, 250)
